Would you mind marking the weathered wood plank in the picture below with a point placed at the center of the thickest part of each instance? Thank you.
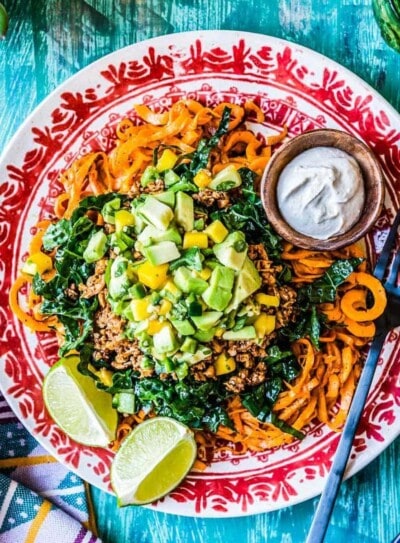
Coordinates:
(48, 41)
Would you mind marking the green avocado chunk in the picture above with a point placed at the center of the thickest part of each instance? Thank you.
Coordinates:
(232, 251)
(247, 282)
(247, 332)
(207, 320)
(219, 293)
(188, 282)
(184, 211)
(161, 253)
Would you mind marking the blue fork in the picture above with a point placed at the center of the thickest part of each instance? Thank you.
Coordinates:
(389, 320)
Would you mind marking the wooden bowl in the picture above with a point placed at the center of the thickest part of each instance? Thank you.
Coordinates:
(374, 186)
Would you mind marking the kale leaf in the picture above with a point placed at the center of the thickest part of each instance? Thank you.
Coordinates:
(247, 214)
(197, 404)
(310, 322)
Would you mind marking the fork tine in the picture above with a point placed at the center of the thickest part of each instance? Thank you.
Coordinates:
(394, 270)
(383, 259)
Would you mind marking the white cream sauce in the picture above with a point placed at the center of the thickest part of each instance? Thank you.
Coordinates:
(320, 192)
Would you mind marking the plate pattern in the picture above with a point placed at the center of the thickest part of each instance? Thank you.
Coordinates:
(293, 86)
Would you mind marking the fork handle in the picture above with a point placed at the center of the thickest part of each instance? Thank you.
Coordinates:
(326, 503)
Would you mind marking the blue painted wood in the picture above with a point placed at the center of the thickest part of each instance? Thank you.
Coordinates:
(48, 41)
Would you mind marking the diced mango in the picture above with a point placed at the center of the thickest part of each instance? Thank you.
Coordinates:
(141, 309)
(166, 161)
(205, 274)
(264, 325)
(195, 239)
(155, 326)
(172, 288)
(123, 217)
(267, 299)
(105, 376)
(165, 306)
(216, 231)
(219, 332)
(224, 364)
(152, 276)
(37, 263)
(202, 179)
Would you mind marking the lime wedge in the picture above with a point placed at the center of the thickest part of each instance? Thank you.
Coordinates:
(152, 460)
(77, 406)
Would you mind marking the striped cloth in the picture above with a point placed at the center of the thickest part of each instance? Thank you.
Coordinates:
(40, 500)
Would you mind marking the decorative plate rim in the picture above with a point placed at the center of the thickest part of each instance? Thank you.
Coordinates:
(46, 108)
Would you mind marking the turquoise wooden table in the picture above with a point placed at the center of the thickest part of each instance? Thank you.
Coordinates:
(48, 41)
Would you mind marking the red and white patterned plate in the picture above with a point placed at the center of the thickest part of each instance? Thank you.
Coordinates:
(294, 86)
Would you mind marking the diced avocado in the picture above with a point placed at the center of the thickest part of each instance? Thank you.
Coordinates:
(188, 282)
(170, 178)
(207, 320)
(247, 282)
(219, 293)
(232, 251)
(162, 252)
(167, 197)
(150, 234)
(165, 341)
(170, 292)
(184, 327)
(121, 278)
(193, 358)
(184, 211)
(149, 175)
(124, 402)
(96, 248)
(108, 210)
(156, 213)
(204, 336)
(189, 345)
(226, 179)
(217, 298)
(247, 332)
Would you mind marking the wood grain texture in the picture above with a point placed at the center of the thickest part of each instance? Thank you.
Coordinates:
(48, 41)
